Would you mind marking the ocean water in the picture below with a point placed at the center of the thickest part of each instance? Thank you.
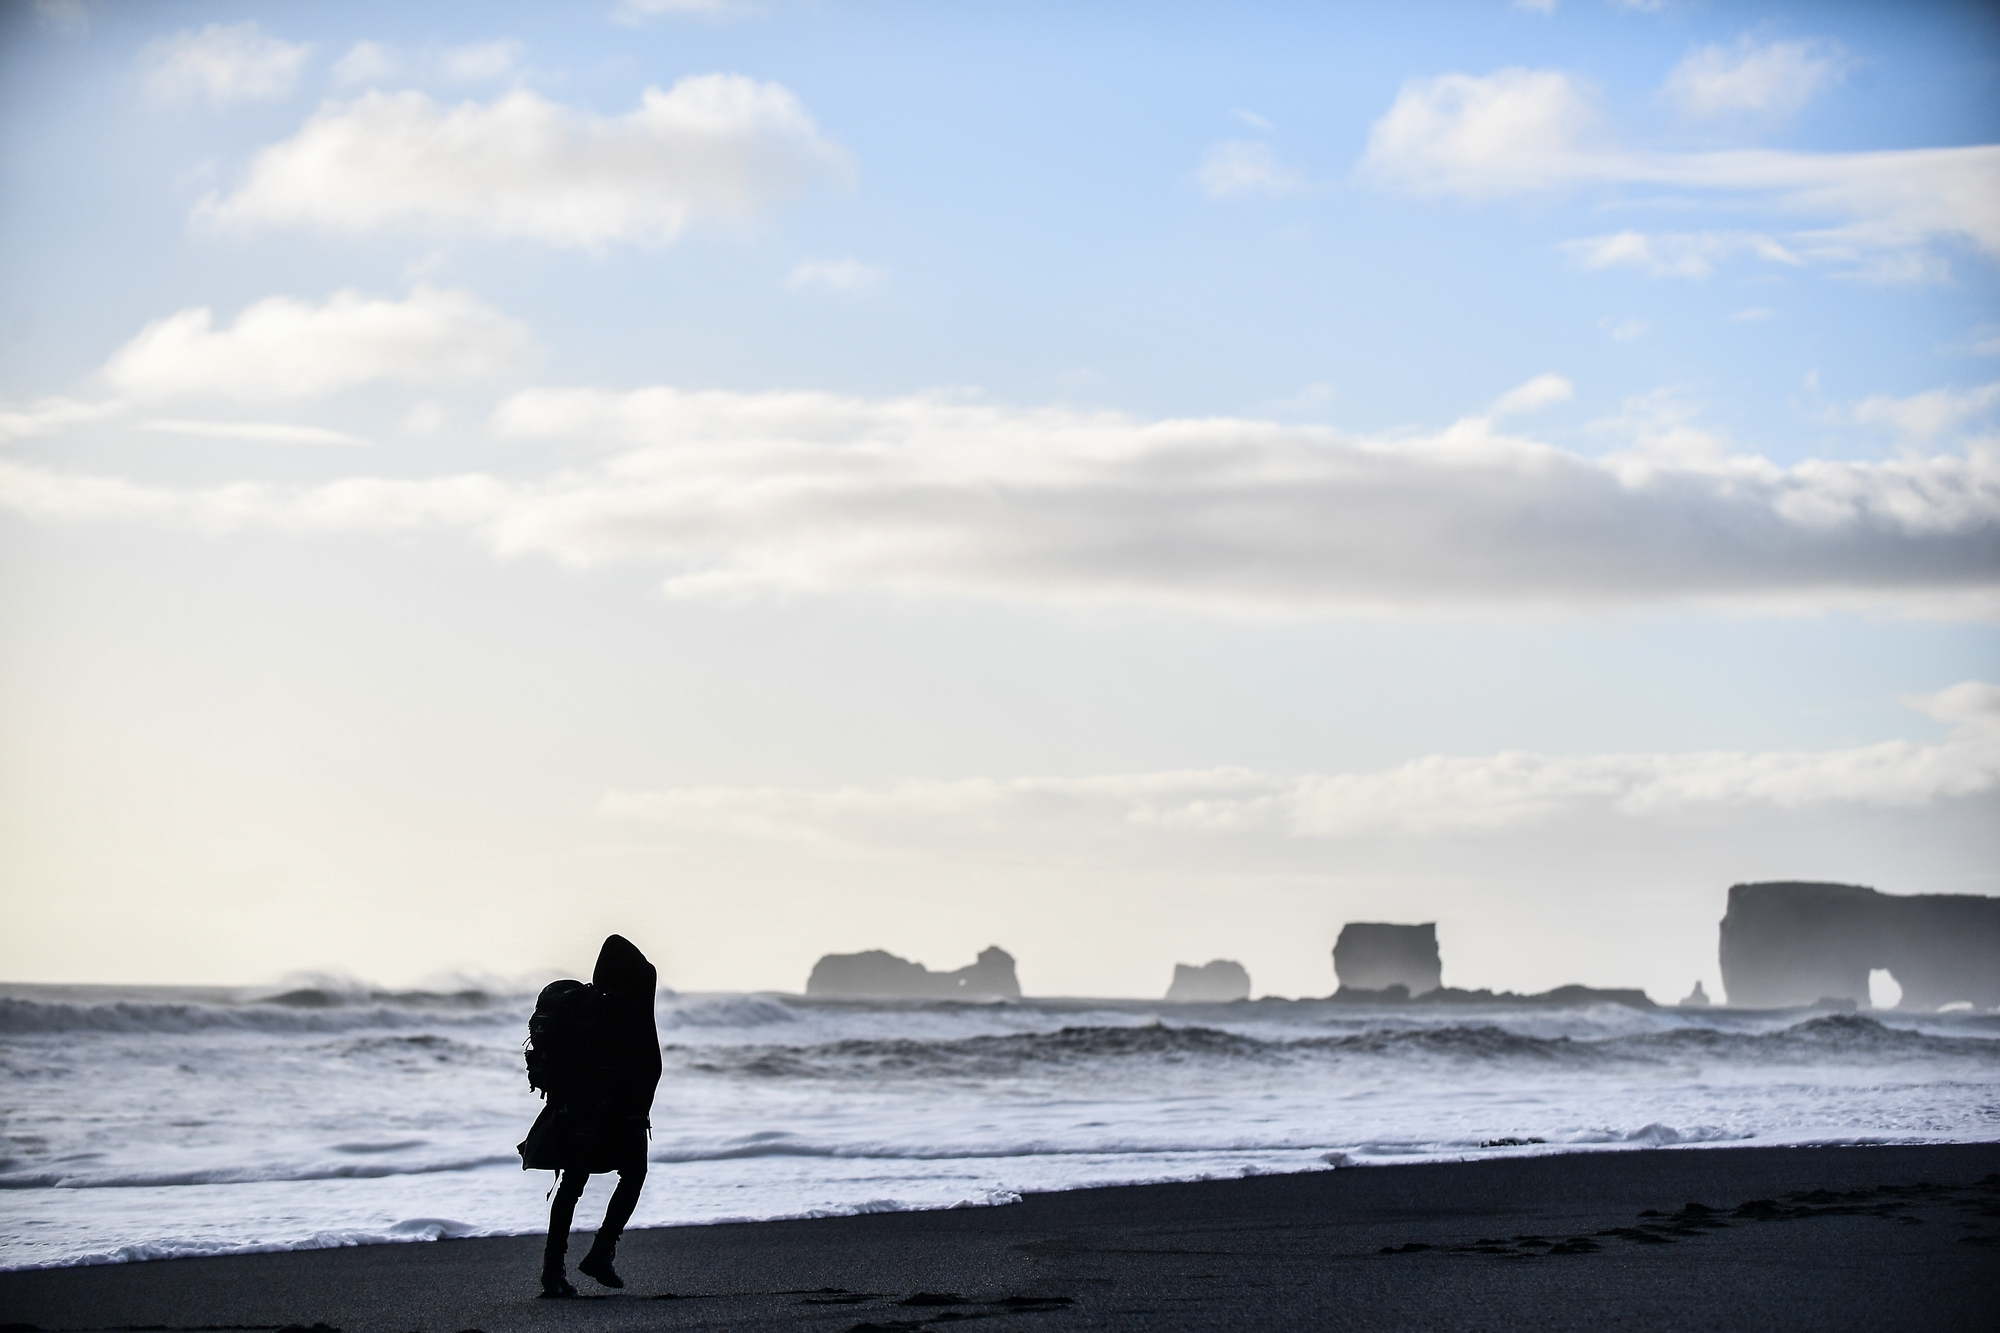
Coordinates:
(147, 1123)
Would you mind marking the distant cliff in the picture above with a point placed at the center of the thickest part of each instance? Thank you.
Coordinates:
(1794, 943)
(1217, 983)
(1372, 956)
(880, 975)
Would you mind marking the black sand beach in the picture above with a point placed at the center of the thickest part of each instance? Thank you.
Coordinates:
(1745, 1238)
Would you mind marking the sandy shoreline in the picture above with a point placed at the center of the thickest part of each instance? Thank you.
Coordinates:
(1807, 1238)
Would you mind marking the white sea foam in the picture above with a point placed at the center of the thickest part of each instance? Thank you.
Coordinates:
(152, 1124)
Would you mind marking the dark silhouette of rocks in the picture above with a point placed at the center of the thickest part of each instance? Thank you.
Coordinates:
(1696, 998)
(1560, 996)
(1572, 995)
(1216, 982)
(1371, 955)
(1376, 995)
(1379, 963)
(880, 975)
(1796, 943)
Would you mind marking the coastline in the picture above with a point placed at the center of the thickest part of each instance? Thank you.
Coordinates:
(1793, 1237)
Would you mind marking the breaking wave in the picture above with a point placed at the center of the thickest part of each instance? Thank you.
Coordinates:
(1831, 1037)
(728, 1011)
(1838, 1038)
(280, 1014)
(412, 1229)
(83, 1178)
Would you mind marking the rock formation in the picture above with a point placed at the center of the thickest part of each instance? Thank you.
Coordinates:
(1696, 998)
(1795, 943)
(1216, 983)
(1370, 955)
(1561, 996)
(880, 975)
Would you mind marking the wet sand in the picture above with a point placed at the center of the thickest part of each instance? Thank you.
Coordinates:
(1874, 1238)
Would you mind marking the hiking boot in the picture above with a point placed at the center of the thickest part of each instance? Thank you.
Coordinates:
(597, 1265)
(555, 1282)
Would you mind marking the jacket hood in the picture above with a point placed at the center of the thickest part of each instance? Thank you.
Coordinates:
(622, 970)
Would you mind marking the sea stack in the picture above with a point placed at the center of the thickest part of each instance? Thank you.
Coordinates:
(1793, 943)
(879, 975)
(1374, 955)
(1216, 982)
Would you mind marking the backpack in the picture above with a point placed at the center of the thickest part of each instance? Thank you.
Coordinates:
(559, 1038)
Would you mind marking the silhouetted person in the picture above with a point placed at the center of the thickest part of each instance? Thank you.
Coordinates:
(599, 1064)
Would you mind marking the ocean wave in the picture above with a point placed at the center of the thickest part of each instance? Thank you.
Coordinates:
(416, 1229)
(1657, 1135)
(1483, 1042)
(976, 1057)
(1831, 1037)
(19, 1017)
(729, 1011)
(1838, 1038)
(72, 1177)
(881, 1150)
(1112, 1142)
(332, 997)
(1083, 1047)
(415, 1050)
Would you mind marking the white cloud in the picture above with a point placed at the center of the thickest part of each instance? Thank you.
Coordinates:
(1624, 330)
(1245, 166)
(1538, 392)
(1925, 416)
(738, 492)
(712, 146)
(1520, 130)
(284, 348)
(1252, 119)
(356, 504)
(1752, 314)
(1661, 434)
(1536, 6)
(1970, 704)
(49, 416)
(1888, 258)
(1439, 796)
(426, 418)
(255, 432)
(837, 275)
(1675, 254)
(1514, 130)
(222, 63)
(1764, 80)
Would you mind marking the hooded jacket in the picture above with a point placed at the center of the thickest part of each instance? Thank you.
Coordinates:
(628, 1036)
(598, 1122)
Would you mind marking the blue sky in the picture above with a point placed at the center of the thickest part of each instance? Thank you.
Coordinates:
(1128, 485)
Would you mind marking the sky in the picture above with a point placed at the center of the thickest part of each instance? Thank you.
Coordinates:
(1130, 484)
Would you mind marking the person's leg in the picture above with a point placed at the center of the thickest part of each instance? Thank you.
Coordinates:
(569, 1188)
(597, 1264)
(631, 1179)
